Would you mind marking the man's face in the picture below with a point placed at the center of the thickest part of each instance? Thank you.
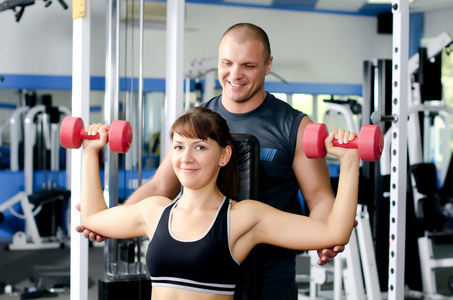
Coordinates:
(242, 69)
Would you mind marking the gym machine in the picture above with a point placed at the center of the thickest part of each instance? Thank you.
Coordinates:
(15, 128)
(378, 82)
(347, 108)
(426, 100)
(419, 145)
(385, 92)
(396, 88)
(201, 68)
(32, 201)
(16, 124)
(124, 268)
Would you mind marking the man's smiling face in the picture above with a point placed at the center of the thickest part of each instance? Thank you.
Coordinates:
(242, 69)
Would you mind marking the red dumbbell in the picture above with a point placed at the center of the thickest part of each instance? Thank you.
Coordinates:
(370, 142)
(72, 133)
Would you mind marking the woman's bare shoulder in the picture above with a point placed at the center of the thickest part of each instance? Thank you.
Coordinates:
(151, 209)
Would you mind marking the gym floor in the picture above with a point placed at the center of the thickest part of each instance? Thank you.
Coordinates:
(15, 269)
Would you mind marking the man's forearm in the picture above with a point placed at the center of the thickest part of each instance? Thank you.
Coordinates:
(141, 193)
(149, 190)
(322, 209)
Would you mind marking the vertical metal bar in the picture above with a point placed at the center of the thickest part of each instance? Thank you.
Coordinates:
(209, 84)
(426, 136)
(174, 84)
(367, 91)
(111, 114)
(80, 108)
(400, 89)
(315, 108)
(338, 266)
(129, 104)
(140, 94)
(352, 275)
(187, 94)
(428, 271)
(140, 116)
(289, 99)
(367, 255)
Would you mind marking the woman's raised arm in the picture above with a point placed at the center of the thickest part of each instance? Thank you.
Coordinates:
(117, 222)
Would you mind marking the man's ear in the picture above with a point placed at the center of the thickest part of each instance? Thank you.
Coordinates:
(269, 65)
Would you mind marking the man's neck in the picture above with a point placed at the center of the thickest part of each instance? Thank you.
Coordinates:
(236, 107)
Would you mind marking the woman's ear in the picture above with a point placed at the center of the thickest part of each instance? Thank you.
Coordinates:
(226, 156)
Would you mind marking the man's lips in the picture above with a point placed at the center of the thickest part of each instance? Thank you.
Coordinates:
(235, 84)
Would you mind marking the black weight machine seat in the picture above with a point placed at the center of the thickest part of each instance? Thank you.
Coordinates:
(45, 196)
(47, 278)
(248, 153)
(432, 221)
(429, 208)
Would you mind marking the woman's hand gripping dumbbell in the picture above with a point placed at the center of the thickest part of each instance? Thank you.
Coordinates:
(370, 142)
(72, 134)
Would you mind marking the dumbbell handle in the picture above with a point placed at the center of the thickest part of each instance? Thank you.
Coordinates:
(354, 143)
(85, 135)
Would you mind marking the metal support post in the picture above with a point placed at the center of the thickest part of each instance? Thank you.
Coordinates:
(174, 85)
(367, 253)
(352, 275)
(315, 102)
(15, 126)
(80, 108)
(400, 90)
(140, 93)
(111, 104)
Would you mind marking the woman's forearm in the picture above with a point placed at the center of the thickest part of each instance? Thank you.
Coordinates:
(342, 216)
(92, 198)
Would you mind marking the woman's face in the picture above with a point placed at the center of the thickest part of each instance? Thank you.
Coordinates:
(196, 162)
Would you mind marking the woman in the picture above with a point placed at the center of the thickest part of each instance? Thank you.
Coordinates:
(198, 241)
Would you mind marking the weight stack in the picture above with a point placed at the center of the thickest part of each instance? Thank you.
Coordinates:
(124, 289)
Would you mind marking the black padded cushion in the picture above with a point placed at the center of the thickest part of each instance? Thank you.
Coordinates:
(429, 207)
(45, 196)
(248, 153)
(425, 175)
(47, 277)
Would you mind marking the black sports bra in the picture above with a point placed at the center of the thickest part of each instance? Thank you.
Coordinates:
(203, 265)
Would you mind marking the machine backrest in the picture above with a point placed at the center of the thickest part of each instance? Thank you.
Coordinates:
(429, 208)
(248, 152)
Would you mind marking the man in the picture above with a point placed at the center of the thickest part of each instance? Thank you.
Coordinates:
(244, 61)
